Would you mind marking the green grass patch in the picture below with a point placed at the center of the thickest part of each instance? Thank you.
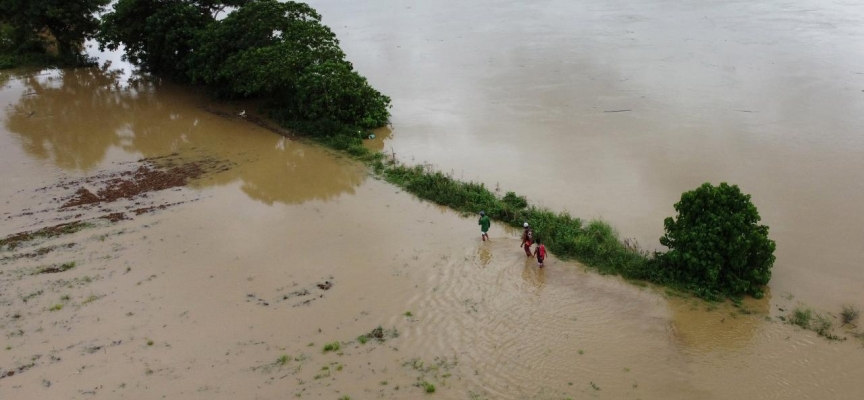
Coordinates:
(334, 346)
(427, 387)
(801, 317)
(56, 307)
(594, 243)
(53, 269)
(380, 334)
(12, 242)
(32, 295)
(91, 298)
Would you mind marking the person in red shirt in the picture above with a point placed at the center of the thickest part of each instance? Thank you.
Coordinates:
(540, 253)
(527, 239)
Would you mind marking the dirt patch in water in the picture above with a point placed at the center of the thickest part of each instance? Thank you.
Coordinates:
(146, 178)
(13, 241)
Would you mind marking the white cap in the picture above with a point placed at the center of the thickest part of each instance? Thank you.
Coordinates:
(525, 224)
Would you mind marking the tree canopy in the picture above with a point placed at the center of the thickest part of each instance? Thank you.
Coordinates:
(43, 25)
(278, 52)
(716, 244)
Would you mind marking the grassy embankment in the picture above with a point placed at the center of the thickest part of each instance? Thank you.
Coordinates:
(594, 243)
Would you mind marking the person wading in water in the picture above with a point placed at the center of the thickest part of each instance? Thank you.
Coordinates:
(540, 252)
(527, 239)
(484, 223)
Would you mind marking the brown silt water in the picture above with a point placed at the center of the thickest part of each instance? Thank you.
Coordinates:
(155, 243)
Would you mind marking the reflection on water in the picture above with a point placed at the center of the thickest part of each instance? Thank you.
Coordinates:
(71, 117)
(705, 327)
(534, 275)
(484, 256)
(74, 118)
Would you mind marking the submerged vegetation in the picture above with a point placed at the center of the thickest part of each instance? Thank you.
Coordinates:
(822, 324)
(849, 314)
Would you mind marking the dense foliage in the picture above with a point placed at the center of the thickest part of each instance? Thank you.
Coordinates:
(716, 245)
(278, 52)
(50, 31)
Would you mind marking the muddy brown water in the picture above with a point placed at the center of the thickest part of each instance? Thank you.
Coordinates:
(200, 299)
(767, 95)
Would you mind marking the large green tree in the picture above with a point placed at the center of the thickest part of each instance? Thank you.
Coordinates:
(716, 244)
(157, 34)
(279, 52)
(40, 25)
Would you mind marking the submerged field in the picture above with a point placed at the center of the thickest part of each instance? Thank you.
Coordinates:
(155, 244)
(264, 267)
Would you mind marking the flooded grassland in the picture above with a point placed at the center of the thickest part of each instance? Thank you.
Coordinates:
(153, 248)
(211, 258)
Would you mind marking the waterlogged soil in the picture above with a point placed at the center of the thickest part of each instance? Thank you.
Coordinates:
(284, 270)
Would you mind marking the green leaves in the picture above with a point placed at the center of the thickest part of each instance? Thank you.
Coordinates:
(715, 243)
(274, 51)
(37, 26)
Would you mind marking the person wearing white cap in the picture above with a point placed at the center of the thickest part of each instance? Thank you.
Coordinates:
(527, 239)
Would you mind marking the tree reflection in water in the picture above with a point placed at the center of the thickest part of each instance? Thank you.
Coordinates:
(75, 118)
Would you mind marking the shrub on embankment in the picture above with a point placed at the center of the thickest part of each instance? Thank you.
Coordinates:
(716, 244)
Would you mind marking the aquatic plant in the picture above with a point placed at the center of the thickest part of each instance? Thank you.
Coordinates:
(813, 321)
(283, 359)
(849, 314)
(334, 346)
(427, 387)
(801, 317)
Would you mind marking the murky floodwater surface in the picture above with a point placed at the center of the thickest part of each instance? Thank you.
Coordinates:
(270, 247)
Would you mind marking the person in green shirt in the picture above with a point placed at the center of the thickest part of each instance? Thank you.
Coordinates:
(484, 223)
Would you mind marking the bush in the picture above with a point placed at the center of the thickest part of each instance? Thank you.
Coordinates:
(849, 314)
(801, 317)
(716, 244)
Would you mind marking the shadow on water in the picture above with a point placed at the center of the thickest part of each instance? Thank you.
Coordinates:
(81, 119)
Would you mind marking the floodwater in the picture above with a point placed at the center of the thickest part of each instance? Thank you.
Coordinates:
(200, 295)
(763, 94)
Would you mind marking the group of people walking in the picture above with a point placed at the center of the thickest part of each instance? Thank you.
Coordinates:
(525, 243)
